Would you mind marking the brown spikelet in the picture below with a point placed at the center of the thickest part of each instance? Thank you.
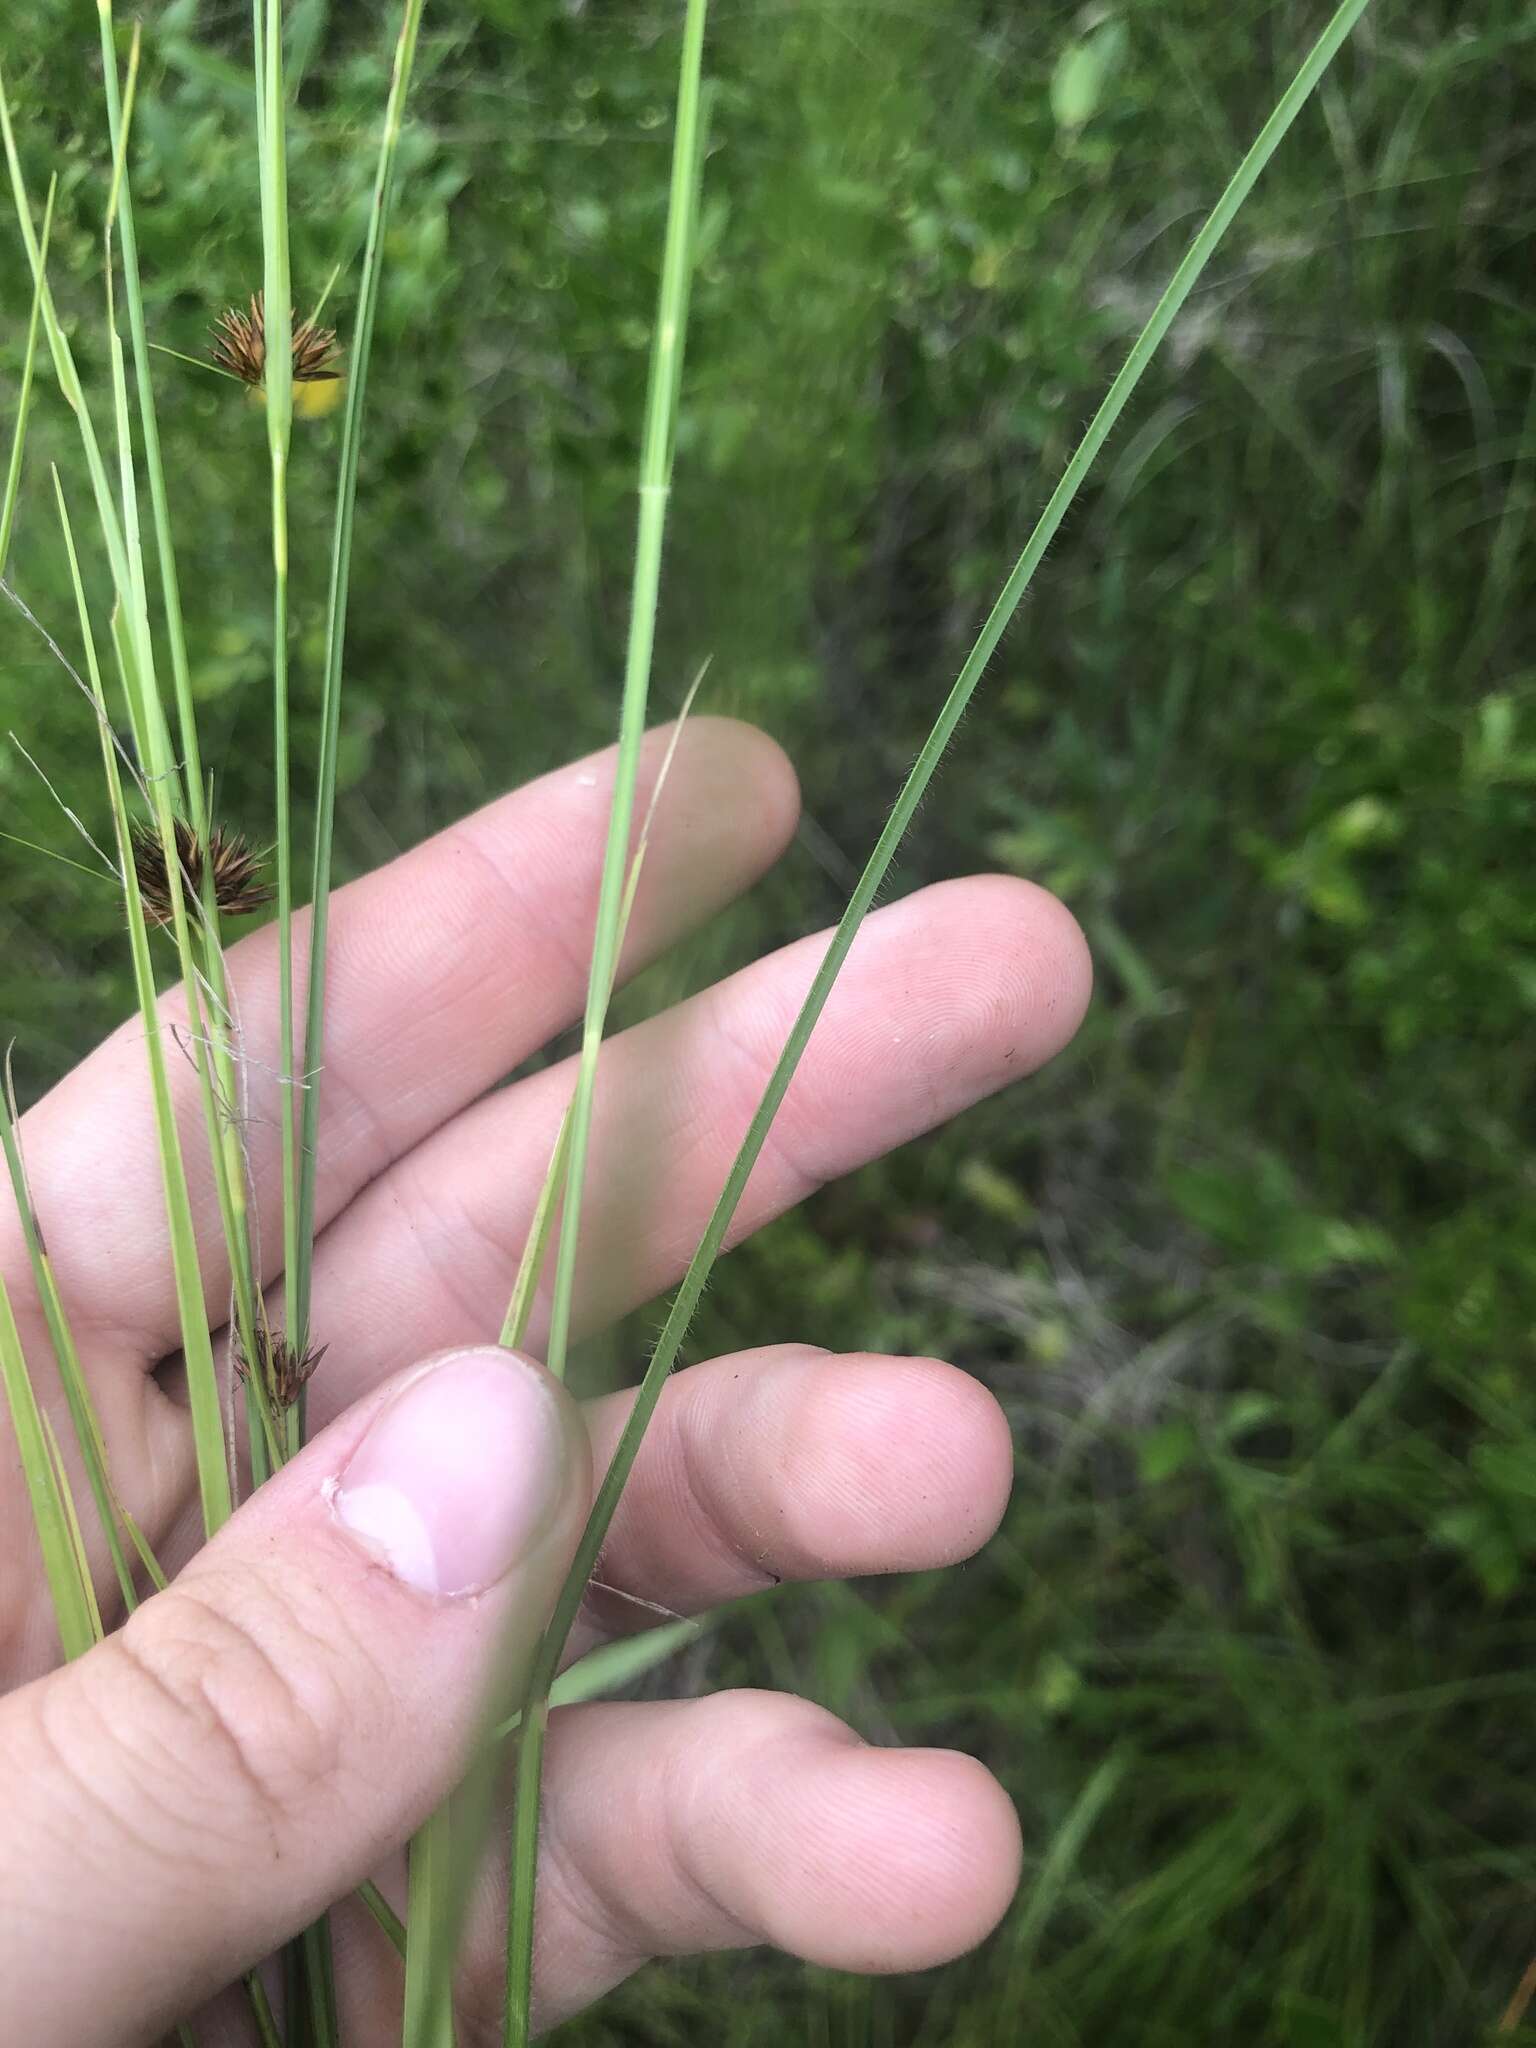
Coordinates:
(240, 347)
(284, 1370)
(236, 872)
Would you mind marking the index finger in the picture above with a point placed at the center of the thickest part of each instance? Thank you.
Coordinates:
(446, 968)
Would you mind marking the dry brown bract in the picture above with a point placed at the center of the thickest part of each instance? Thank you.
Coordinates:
(284, 1370)
(240, 346)
(238, 887)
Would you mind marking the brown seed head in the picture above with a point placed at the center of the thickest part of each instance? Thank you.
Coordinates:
(236, 873)
(285, 1371)
(240, 347)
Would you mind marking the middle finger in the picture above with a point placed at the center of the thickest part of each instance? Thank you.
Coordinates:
(949, 995)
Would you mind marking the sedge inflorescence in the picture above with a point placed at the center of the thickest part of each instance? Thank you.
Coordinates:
(224, 858)
(240, 347)
(285, 1370)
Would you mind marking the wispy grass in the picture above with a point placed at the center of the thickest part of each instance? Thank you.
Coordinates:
(664, 1356)
(656, 458)
(24, 395)
(72, 1378)
(359, 359)
(277, 393)
(117, 522)
(73, 1608)
(216, 1050)
(202, 1380)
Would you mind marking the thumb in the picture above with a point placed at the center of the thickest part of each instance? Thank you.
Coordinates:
(255, 1740)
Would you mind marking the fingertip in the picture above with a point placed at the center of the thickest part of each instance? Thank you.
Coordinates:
(931, 1850)
(741, 767)
(904, 1464)
(1041, 955)
(1065, 961)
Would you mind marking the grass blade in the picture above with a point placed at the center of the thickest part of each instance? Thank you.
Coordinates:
(202, 1377)
(335, 654)
(277, 309)
(386, 1919)
(223, 1133)
(655, 490)
(77, 1394)
(520, 1308)
(118, 119)
(611, 1667)
(1142, 351)
(1061, 1856)
(76, 1534)
(50, 1512)
(431, 1884)
(613, 896)
(24, 397)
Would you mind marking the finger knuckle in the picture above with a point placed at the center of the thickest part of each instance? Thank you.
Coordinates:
(749, 1718)
(239, 1699)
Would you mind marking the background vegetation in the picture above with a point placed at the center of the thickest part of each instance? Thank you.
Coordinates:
(1254, 1269)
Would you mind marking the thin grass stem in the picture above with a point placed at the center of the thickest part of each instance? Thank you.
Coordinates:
(223, 1130)
(335, 659)
(149, 427)
(656, 456)
(430, 1887)
(202, 1378)
(76, 1533)
(536, 1246)
(77, 1394)
(387, 1920)
(689, 1292)
(24, 396)
(50, 1516)
(654, 492)
(277, 309)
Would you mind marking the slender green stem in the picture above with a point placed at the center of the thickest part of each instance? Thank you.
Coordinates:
(525, 1867)
(50, 1514)
(613, 902)
(266, 2023)
(277, 309)
(428, 1972)
(149, 427)
(132, 641)
(202, 1378)
(388, 1921)
(520, 1308)
(76, 1533)
(335, 655)
(667, 351)
(68, 376)
(24, 396)
(686, 1301)
(655, 490)
(77, 1395)
(215, 1041)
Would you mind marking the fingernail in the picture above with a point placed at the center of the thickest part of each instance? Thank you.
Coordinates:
(458, 1474)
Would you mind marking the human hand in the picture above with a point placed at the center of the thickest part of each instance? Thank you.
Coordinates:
(267, 1733)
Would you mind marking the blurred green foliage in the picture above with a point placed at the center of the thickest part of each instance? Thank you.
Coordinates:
(1254, 1269)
